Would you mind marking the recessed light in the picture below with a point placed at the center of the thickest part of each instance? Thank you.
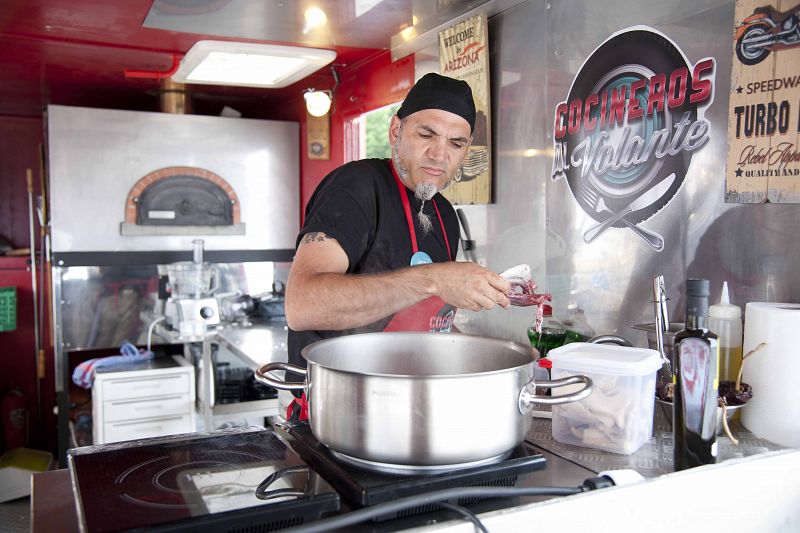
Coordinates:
(249, 64)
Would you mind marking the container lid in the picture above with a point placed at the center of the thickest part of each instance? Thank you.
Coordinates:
(724, 309)
(605, 359)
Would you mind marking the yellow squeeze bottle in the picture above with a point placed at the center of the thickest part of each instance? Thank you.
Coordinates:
(725, 319)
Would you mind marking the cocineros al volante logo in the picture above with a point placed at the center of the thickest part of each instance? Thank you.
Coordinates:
(626, 133)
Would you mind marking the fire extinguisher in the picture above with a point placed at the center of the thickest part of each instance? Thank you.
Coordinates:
(14, 419)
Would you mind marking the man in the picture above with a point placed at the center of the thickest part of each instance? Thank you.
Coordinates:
(377, 250)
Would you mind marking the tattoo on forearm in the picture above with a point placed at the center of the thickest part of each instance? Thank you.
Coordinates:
(315, 236)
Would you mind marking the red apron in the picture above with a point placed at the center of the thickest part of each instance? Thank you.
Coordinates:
(431, 314)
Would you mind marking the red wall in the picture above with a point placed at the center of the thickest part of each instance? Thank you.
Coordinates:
(20, 140)
(18, 355)
(20, 144)
(363, 87)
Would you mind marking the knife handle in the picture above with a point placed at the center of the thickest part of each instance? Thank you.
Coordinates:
(594, 232)
(652, 238)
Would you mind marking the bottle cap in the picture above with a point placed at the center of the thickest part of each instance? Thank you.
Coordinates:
(697, 291)
(697, 287)
(725, 309)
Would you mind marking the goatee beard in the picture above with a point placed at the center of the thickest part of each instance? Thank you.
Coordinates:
(425, 223)
(425, 191)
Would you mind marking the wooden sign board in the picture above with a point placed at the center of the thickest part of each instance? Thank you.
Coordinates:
(318, 136)
(464, 55)
(764, 114)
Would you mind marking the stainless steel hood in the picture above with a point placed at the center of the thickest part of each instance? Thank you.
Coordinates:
(97, 157)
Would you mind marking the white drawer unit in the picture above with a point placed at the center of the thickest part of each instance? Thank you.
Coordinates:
(150, 427)
(150, 399)
(136, 387)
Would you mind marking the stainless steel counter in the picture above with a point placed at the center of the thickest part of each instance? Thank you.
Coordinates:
(700, 492)
(752, 486)
(257, 344)
(654, 458)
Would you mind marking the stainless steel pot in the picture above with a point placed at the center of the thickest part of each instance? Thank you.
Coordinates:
(420, 400)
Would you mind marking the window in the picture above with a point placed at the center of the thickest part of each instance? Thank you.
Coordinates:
(367, 135)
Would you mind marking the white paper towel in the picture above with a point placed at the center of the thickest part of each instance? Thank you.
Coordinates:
(773, 372)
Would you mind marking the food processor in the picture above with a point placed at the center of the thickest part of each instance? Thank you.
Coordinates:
(191, 307)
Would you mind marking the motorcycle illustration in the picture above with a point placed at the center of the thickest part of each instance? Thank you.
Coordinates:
(765, 30)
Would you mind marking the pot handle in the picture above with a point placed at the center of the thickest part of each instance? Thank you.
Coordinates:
(528, 397)
(261, 374)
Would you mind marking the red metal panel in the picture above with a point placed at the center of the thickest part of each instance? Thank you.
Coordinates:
(20, 139)
(18, 359)
(363, 87)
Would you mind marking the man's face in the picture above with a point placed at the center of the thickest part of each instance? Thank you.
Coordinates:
(432, 146)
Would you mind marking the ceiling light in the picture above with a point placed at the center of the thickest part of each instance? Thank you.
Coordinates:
(249, 64)
(408, 33)
(318, 103)
(314, 18)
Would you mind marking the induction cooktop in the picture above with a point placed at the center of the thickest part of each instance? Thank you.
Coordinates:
(363, 487)
(230, 479)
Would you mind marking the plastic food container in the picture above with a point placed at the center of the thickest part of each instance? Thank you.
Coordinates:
(618, 415)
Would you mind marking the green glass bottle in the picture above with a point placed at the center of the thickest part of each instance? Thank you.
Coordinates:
(578, 328)
(553, 333)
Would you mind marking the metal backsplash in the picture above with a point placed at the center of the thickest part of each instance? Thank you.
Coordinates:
(536, 50)
(95, 156)
(102, 306)
(512, 229)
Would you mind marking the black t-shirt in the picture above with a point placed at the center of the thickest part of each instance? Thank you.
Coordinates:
(359, 205)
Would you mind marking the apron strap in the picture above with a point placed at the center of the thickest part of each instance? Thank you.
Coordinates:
(412, 232)
(441, 223)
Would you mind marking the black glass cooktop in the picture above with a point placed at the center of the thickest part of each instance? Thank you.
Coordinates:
(361, 487)
(240, 478)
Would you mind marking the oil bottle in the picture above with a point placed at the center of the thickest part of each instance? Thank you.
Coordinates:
(695, 375)
(725, 319)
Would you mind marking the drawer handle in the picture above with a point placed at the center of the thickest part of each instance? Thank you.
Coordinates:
(149, 381)
(147, 428)
(142, 401)
(145, 386)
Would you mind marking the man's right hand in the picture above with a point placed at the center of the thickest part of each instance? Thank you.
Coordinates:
(467, 285)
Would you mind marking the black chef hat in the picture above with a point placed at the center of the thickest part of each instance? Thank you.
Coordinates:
(434, 91)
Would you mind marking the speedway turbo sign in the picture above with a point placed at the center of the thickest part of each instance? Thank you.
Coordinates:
(764, 113)
(629, 127)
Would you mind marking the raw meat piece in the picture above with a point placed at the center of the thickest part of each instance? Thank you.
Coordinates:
(523, 291)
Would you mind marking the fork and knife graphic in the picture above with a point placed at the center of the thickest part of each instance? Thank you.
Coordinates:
(648, 198)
